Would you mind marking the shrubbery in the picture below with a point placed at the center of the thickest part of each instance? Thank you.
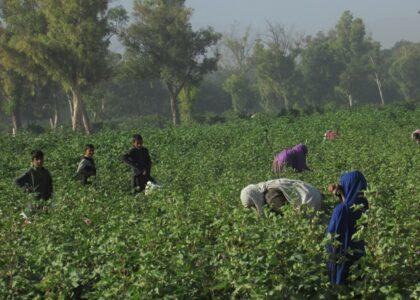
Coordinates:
(193, 239)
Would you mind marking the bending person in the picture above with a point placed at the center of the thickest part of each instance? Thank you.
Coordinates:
(292, 157)
(343, 225)
(416, 136)
(279, 192)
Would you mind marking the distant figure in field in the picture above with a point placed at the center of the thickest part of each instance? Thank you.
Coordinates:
(38, 181)
(139, 160)
(86, 167)
(279, 192)
(292, 157)
(416, 136)
(343, 225)
(330, 135)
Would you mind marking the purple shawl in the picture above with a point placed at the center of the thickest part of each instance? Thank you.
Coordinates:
(293, 157)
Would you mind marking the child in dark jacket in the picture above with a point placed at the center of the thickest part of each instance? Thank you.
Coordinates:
(139, 160)
(37, 181)
(86, 167)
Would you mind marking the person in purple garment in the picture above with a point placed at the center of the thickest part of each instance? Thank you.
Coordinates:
(292, 157)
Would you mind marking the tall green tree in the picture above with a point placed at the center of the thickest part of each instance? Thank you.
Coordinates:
(277, 76)
(187, 99)
(237, 50)
(406, 71)
(161, 44)
(320, 68)
(355, 50)
(239, 86)
(70, 44)
(15, 87)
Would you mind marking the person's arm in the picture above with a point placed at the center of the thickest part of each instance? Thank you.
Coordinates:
(24, 181)
(258, 206)
(50, 186)
(92, 171)
(335, 227)
(148, 162)
(337, 191)
(128, 159)
(81, 168)
(82, 172)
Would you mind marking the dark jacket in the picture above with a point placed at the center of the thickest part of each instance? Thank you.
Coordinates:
(86, 169)
(139, 160)
(37, 181)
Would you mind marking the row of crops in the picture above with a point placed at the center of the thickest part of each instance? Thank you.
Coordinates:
(193, 239)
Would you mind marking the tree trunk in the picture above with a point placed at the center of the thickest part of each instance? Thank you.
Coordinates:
(79, 112)
(102, 106)
(75, 109)
(378, 83)
(54, 118)
(350, 101)
(70, 106)
(286, 102)
(174, 108)
(16, 121)
(85, 118)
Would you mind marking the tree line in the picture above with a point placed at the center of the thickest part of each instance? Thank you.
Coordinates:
(56, 64)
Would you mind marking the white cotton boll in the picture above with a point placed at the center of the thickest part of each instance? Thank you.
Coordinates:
(25, 217)
(150, 187)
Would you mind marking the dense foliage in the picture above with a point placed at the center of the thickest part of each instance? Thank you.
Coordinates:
(193, 239)
(56, 66)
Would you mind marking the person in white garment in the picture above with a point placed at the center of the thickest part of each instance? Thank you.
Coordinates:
(279, 192)
(416, 136)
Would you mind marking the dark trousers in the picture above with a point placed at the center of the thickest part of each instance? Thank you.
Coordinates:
(140, 181)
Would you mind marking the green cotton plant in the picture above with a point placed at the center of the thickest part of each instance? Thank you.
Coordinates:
(193, 238)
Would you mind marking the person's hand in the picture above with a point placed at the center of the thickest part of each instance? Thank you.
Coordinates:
(332, 188)
(144, 173)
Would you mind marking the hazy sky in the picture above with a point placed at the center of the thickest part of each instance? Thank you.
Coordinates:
(387, 21)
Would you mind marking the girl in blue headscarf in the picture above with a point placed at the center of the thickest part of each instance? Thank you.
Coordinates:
(343, 225)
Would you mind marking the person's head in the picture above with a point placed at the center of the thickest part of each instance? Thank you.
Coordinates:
(250, 194)
(89, 150)
(37, 158)
(416, 136)
(301, 148)
(352, 184)
(137, 141)
(275, 198)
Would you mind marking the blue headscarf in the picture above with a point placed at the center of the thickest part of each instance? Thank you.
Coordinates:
(353, 183)
(343, 224)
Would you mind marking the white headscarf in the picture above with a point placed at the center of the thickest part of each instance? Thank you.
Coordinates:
(253, 196)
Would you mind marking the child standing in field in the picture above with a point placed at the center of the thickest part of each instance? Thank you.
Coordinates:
(139, 160)
(36, 180)
(86, 167)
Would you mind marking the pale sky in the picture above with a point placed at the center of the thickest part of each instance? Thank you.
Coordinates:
(388, 21)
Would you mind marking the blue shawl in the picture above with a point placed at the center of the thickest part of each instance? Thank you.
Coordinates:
(343, 224)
